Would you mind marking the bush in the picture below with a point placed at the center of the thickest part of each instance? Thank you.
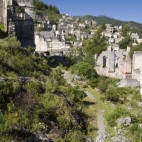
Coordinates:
(112, 94)
(117, 113)
(76, 94)
(84, 69)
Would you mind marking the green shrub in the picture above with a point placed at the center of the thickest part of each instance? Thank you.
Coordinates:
(112, 94)
(84, 69)
(76, 94)
(117, 113)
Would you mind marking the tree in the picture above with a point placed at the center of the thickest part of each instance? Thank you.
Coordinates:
(103, 27)
(125, 30)
(96, 45)
(84, 69)
(125, 42)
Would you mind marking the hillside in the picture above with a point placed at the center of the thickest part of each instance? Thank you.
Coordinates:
(135, 27)
(46, 12)
(36, 103)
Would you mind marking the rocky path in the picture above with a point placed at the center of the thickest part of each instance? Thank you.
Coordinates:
(100, 119)
(67, 77)
(101, 127)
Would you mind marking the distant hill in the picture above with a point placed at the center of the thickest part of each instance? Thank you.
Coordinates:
(135, 27)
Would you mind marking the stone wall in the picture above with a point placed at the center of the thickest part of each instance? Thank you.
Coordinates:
(17, 24)
(113, 64)
(47, 42)
(24, 30)
(137, 64)
(1, 11)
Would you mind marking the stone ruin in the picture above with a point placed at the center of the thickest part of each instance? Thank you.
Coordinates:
(113, 64)
(18, 20)
(117, 64)
(1, 11)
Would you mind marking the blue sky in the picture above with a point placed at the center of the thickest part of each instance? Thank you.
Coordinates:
(126, 10)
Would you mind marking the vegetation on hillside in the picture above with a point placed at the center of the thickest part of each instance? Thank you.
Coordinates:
(96, 45)
(35, 98)
(51, 11)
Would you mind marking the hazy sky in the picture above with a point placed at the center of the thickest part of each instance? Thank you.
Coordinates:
(126, 10)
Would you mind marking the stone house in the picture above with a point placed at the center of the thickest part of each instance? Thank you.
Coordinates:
(109, 28)
(107, 34)
(48, 42)
(134, 79)
(77, 44)
(113, 64)
(134, 36)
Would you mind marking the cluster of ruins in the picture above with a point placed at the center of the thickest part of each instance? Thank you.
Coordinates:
(18, 17)
(116, 63)
(54, 38)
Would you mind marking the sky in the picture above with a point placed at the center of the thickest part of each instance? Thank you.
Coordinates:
(126, 10)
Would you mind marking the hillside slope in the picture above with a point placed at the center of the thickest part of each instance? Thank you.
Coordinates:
(36, 103)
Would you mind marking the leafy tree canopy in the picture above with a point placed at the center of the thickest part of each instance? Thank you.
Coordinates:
(96, 45)
(127, 41)
(125, 30)
(84, 69)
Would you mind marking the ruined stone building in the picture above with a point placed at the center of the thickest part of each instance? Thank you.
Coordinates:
(18, 20)
(135, 78)
(1, 11)
(113, 64)
(46, 41)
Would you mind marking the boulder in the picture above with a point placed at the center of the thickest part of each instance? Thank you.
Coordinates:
(127, 121)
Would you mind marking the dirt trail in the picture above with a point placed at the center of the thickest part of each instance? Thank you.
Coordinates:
(100, 119)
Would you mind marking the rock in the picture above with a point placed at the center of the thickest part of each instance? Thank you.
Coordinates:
(120, 131)
(76, 78)
(42, 137)
(127, 121)
(2, 79)
(140, 125)
(129, 98)
(129, 107)
(140, 104)
(119, 121)
(119, 139)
